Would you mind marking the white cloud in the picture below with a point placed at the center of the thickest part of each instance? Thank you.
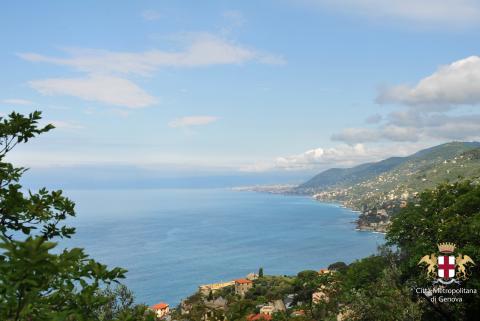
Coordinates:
(151, 15)
(451, 12)
(339, 156)
(430, 110)
(107, 71)
(412, 127)
(204, 49)
(322, 156)
(106, 89)
(16, 101)
(466, 127)
(452, 85)
(192, 121)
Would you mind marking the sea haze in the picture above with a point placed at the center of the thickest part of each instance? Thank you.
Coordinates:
(172, 241)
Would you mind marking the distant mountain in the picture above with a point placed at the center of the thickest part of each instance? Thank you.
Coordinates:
(345, 177)
(379, 190)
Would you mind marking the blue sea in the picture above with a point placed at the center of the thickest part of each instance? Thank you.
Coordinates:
(172, 241)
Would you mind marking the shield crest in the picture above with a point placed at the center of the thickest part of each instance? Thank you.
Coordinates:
(446, 267)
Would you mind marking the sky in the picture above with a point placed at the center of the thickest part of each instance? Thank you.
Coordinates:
(191, 92)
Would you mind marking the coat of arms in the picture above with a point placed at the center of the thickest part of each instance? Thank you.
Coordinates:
(447, 268)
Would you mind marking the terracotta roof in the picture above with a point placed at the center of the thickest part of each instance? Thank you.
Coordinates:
(160, 306)
(259, 316)
(298, 313)
(243, 281)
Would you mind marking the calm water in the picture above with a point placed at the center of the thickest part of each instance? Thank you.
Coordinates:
(171, 241)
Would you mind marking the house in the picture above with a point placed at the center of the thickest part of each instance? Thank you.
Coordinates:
(298, 313)
(267, 309)
(161, 309)
(214, 287)
(324, 271)
(252, 276)
(259, 316)
(242, 286)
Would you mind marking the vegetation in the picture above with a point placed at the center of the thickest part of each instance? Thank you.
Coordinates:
(382, 286)
(416, 163)
(39, 281)
(380, 190)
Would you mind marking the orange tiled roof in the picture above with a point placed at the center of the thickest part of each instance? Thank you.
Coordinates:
(243, 281)
(160, 306)
(259, 316)
(298, 312)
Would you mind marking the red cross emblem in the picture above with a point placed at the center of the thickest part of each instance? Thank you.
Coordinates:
(446, 267)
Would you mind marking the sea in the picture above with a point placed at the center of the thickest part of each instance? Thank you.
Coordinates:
(173, 240)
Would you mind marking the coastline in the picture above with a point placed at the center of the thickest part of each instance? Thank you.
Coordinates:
(286, 189)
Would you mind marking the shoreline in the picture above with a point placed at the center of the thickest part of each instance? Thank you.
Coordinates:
(286, 189)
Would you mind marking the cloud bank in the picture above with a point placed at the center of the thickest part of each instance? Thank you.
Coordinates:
(451, 85)
(430, 110)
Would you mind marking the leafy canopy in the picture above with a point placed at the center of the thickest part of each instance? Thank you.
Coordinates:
(38, 281)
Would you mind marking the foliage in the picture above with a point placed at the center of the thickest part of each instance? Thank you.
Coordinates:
(338, 266)
(381, 286)
(120, 305)
(37, 280)
(449, 213)
(270, 288)
(260, 272)
(364, 272)
(384, 299)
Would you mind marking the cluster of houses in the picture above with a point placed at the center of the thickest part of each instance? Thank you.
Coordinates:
(241, 287)
(162, 310)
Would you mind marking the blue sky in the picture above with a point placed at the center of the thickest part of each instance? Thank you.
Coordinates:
(239, 87)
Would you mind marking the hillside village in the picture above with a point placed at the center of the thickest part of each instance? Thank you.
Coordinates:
(380, 197)
(255, 297)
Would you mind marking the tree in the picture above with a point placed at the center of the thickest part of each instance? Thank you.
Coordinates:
(306, 283)
(448, 213)
(260, 272)
(338, 266)
(36, 282)
(364, 272)
(384, 299)
(120, 305)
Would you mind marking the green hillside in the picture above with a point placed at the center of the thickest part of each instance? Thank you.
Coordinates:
(380, 196)
(345, 177)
